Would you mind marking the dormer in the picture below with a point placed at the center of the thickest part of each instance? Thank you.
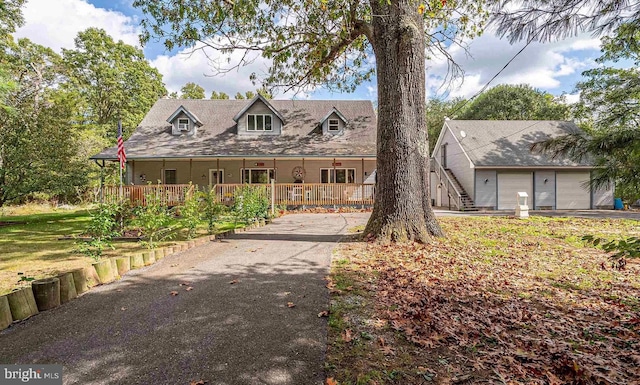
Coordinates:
(184, 122)
(259, 117)
(333, 123)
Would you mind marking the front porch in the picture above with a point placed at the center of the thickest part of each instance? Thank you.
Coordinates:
(287, 194)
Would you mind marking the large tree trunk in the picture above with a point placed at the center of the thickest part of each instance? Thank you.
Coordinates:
(402, 210)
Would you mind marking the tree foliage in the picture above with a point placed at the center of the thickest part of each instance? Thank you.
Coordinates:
(437, 111)
(114, 81)
(546, 20)
(519, 102)
(218, 95)
(192, 91)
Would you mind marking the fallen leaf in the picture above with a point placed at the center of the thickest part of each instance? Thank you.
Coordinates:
(189, 288)
(291, 304)
(331, 381)
(324, 313)
(198, 382)
(174, 293)
(233, 282)
(346, 335)
(123, 308)
(185, 284)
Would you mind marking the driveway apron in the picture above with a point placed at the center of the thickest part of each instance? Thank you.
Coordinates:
(251, 316)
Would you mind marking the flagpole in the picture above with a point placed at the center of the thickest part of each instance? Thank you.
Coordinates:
(121, 167)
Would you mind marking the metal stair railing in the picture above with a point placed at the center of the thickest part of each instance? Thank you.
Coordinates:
(449, 185)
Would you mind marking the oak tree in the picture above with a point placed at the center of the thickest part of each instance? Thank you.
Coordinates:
(340, 44)
(192, 91)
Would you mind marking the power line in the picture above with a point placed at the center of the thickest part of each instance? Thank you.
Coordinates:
(530, 40)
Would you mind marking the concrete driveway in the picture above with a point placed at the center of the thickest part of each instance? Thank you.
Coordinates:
(135, 332)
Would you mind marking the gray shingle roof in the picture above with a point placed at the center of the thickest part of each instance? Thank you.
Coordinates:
(217, 136)
(508, 142)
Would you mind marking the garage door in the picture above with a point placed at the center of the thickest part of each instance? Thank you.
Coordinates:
(570, 193)
(509, 184)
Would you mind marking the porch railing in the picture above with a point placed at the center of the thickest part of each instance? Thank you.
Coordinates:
(307, 194)
(169, 194)
(289, 194)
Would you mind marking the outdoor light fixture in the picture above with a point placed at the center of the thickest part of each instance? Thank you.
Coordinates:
(486, 181)
(546, 180)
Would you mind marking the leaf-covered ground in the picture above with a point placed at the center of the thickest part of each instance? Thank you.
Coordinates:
(499, 301)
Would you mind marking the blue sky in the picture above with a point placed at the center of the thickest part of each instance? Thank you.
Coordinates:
(552, 67)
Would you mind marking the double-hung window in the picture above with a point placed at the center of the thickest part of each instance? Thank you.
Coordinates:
(338, 175)
(259, 122)
(258, 175)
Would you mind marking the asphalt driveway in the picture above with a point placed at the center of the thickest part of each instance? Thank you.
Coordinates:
(235, 326)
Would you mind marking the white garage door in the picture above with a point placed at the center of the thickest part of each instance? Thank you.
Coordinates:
(570, 193)
(509, 184)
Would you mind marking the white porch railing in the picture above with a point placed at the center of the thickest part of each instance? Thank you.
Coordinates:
(307, 194)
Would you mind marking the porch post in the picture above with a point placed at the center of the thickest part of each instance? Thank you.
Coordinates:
(275, 173)
(191, 170)
(304, 191)
(362, 185)
(164, 165)
(133, 172)
(243, 171)
(334, 183)
(217, 173)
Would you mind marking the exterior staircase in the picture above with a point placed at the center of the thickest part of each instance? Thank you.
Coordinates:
(467, 202)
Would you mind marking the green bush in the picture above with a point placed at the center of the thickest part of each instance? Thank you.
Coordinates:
(104, 225)
(154, 219)
(190, 214)
(251, 203)
(211, 208)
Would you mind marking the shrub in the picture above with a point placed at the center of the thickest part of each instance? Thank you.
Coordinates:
(211, 208)
(190, 213)
(102, 228)
(154, 219)
(251, 202)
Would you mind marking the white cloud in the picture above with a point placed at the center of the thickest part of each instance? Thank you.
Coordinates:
(55, 24)
(206, 68)
(545, 66)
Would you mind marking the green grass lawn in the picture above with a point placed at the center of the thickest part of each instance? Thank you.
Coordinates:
(31, 245)
(499, 301)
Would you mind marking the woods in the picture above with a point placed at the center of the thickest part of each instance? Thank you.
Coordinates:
(57, 110)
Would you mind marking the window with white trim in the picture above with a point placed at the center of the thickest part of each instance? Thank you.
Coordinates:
(338, 175)
(183, 124)
(258, 175)
(334, 125)
(259, 122)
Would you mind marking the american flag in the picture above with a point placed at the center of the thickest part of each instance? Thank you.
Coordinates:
(122, 155)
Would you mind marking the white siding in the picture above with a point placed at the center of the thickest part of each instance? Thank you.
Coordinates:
(603, 198)
(509, 184)
(457, 161)
(571, 193)
(545, 187)
(485, 189)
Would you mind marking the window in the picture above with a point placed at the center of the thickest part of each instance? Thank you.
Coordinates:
(183, 124)
(216, 176)
(257, 122)
(258, 175)
(342, 175)
(334, 125)
(170, 177)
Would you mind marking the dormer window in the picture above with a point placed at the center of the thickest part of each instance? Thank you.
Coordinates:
(259, 122)
(334, 125)
(183, 124)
